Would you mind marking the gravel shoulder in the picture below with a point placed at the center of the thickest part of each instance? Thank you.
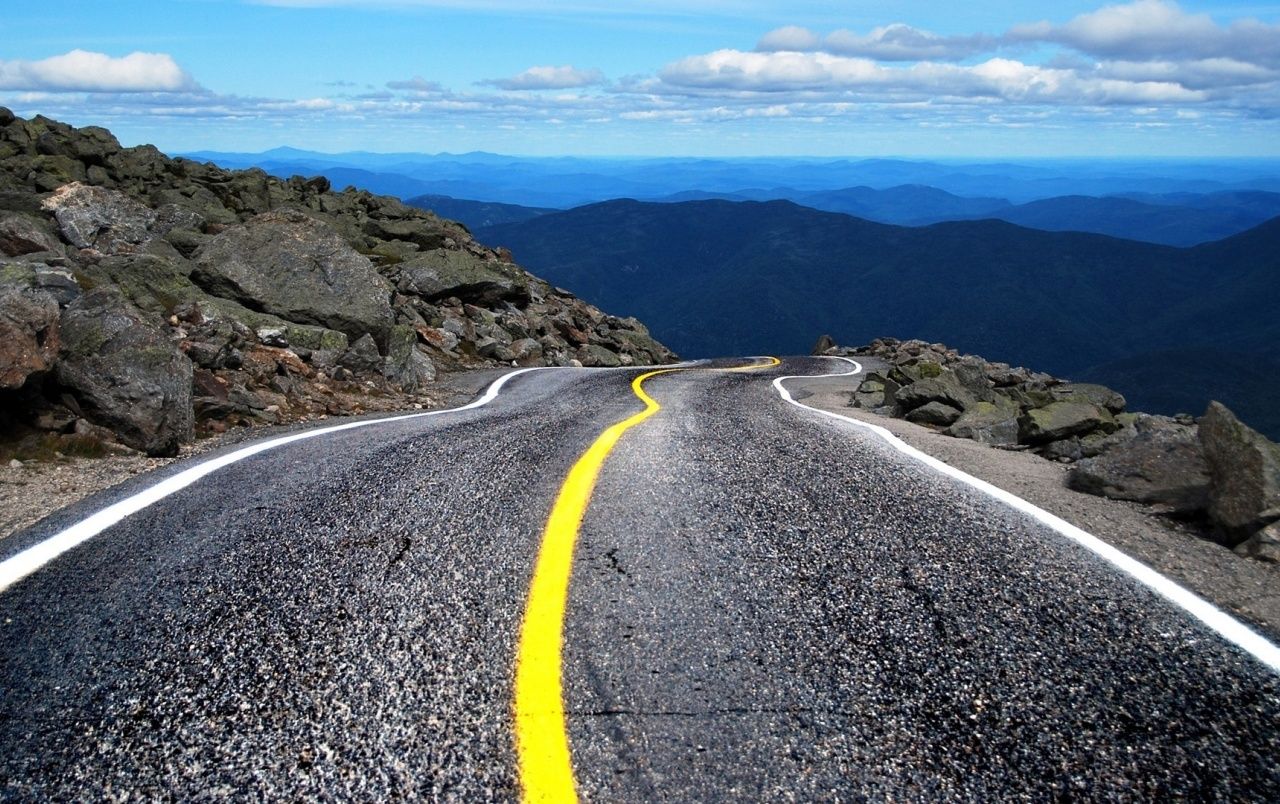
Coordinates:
(32, 490)
(1247, 587)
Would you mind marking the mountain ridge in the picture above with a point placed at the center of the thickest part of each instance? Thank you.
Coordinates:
(722, 277)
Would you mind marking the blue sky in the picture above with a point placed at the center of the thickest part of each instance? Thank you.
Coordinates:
(985, 78)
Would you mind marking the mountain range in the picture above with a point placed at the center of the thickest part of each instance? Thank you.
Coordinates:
(1170, 202)
(1170, 327)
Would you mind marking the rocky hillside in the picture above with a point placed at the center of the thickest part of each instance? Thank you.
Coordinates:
(1214, 469)
(145, 299)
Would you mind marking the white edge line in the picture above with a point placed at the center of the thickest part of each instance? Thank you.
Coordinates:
(1222, 623)
(20, 565)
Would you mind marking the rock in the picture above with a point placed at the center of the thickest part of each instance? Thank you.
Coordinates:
(526, 352)
(22, 234)
(95, 217)
(824, 344)
(941, 388)
(1099, 395)
(971, 374)
(593, 355)
(1163, 465)
(29, 334)
(1264, 545)
(151, 283)
(59, 283)
(994, 423)
(1002, 375)
(125, 373)
(441, 273)
(362, 357)
(1244, 471)
(1060, 420)
(936, 413)
(405, 365)
(292, 266)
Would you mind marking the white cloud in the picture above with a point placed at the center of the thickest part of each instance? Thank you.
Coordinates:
(84, 71)
(547, 77)
(896, 42)
(790, 37)
(999, 79)
(1153, 29)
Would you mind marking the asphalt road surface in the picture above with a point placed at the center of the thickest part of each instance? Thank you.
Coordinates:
(764, 603)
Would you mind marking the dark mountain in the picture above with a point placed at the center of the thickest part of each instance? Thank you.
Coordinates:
(1182, 219)
(1173, 225)
(716, 277)
(476, 214)
(907, 204)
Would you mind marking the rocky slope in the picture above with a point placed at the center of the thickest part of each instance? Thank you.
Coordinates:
(145, 299)
(1214, 470)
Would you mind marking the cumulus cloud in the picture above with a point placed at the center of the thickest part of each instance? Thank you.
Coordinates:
(85, 71)
(564, 77)
(896, 42)
(1153, 29)
(1000, 79)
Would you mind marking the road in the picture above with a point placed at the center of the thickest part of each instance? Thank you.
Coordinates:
(763, 603)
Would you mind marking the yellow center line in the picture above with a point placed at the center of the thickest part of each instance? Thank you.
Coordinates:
(542, 741)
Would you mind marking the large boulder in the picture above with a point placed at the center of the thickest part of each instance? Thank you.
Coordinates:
(1100, 395)
(944, 387)
(290, 265)
(405, 364)
(28, 334)
(594, 355)
(104, 220)
(935, 413)
(23, 234)
(1060, 420)
(1244, 467)
(126, 374)
(1162, 465)
(441, 273)
(994, 423)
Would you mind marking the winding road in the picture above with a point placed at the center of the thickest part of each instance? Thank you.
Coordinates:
(624, 585)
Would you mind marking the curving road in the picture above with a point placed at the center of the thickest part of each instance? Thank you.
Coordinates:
(763, 603)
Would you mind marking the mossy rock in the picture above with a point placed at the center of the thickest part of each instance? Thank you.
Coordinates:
(154, 284)
(1060, 420)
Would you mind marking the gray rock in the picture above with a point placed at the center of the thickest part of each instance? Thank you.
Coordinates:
(292, 266)
(1163, 465)
(944, 388)
(29, 334)
(1099, 395)
(1244, 468)
(23, 234)
(95, 217)
(59, 283)
(594, 355)
(362, 357)
(1060, 420)
(125, 373)
(405, 365)
(994, 423)
(441, 273)
(1263, 545)
(936, 413)
(824, 343)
